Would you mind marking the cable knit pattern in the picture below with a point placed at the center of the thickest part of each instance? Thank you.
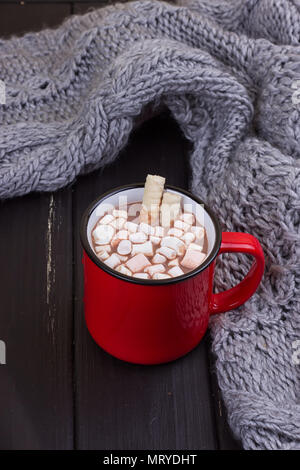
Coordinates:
(229, 72)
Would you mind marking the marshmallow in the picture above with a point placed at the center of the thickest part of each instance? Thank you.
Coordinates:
(161, 276)
(146, 228)
(176, 271)
(155, 240)
(174, 243)
(131, 227)
(103, 234)
(103, 255)
(167, 252)
(141, 275)
(188, 237)
(157, 259)
(99, 248)
(188, 218)
(193, 259)
(173, 262)
(112, 261)
(181, 225)
(145, 248)
(170, 208)
(122, 258)
(107, 219)
(124, 247)
(123, 270)
(115, 242)
(175, 231)
(120, 213)
(196, 247)
(159, 231)
(198, 231)
(138, 263)
(118, 223)
(138, 237)
(122, 235)
(157, 268)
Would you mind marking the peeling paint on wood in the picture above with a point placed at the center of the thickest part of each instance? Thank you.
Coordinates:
(50, 265)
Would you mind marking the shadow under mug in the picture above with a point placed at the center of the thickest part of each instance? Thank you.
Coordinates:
(157, 321)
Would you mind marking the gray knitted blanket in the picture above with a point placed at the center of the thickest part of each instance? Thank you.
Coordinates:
(229, 72)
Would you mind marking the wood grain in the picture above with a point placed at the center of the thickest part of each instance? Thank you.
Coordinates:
(59, 390)
(123, 406)
(20, 18)
(36, 322)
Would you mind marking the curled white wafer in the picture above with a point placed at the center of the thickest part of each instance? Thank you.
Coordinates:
(158, 259)
(122, 269)
(176, 271)
(167, 252)
(170, 208)
(145, 248)
(138, 237)
(120, 213)
(137, 263)
(161, 276)
(131, 227)
(188, 218)
(192, 259)
(156, 268)
(141, 275)
(174, 243)
(112, 261)
(103, 234)
(124, 247)
(154, 187)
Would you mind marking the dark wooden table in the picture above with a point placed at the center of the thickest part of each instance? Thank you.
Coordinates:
(58, 389)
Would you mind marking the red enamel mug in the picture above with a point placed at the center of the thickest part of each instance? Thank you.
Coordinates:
(155, 321)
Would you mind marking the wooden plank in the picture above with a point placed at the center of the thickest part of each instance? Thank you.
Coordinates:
(22, 2)
(36, 322)
(20, 18)
(226, 439)
(123, 406)
(84, 6)
(36, 408)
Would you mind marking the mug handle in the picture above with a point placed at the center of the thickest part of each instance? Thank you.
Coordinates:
(235, 242)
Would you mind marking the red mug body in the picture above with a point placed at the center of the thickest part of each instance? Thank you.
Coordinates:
(151, 322)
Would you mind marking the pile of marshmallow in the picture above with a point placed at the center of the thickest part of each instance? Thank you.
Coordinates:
(145, 251)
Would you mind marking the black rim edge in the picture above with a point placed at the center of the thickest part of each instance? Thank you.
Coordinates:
(86, 246)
